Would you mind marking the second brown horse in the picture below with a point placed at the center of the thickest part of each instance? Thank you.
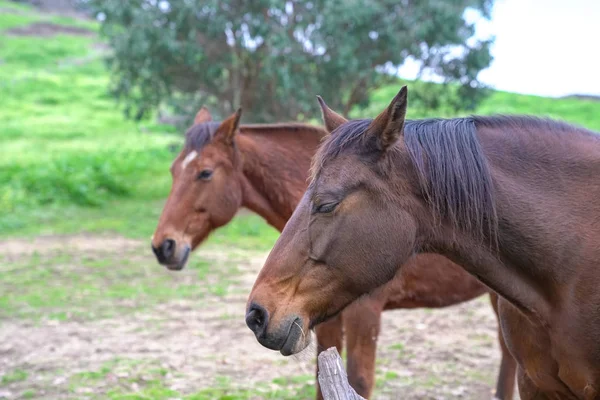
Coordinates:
(264, 168)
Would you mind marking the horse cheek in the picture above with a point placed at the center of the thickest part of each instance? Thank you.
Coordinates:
(322, 238)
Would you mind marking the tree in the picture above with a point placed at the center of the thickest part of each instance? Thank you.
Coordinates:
(272, 57)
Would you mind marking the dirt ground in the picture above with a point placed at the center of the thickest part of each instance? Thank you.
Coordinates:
(450, 353)
(47, 29)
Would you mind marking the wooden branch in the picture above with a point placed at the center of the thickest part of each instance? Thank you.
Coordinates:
(333, 379)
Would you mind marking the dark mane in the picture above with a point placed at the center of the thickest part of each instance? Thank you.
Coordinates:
(454, 173)
(452, 168)
(349, 135)
(200, 135)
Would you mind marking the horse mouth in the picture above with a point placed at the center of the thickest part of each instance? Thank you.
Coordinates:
(181, 263)
(294, 335)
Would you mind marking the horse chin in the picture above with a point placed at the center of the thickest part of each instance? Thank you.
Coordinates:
(179, 265)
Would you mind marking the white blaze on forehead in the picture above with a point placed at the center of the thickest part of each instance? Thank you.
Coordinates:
(188, 159)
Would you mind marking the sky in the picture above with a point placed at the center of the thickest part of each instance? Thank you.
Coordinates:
(542, 47)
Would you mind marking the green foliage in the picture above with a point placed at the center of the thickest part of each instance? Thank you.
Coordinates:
(273, 57)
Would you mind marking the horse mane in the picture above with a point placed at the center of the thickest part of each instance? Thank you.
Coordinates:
(454, 173)
(200, 135)
(452, 169)
(348, 135)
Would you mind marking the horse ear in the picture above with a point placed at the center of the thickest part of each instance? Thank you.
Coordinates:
(389, 125)
(331, 119)
(229, 127)
(202, 116)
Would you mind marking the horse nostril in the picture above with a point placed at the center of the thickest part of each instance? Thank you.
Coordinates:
(257, 319)
(158, 252)
(168, 248)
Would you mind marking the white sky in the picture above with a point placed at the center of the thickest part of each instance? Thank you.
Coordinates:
(542, 47)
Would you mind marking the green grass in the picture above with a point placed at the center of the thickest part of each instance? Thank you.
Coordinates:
(9, 20)
(295, 387)
(65, 142)
(149, 383)
(399, 347)
(585, 113)
(19, 14)
(298, 387)
(65, 147)
(34, 52)
(14, 7)
(66, 284)
(70, 21)
(14, 376)
(389, 375)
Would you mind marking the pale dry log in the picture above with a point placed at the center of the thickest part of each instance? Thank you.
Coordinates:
(333, 379)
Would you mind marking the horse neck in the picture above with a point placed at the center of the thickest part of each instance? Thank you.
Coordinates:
(546, 191)
(276, 160)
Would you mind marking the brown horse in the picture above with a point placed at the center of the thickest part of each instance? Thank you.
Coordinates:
(265, 168)
(514, 200)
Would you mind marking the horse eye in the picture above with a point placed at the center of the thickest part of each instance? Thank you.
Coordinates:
(205, 174)
(326, 208)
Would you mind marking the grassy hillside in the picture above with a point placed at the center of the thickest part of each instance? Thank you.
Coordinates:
(70, 162)
(581, 112)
